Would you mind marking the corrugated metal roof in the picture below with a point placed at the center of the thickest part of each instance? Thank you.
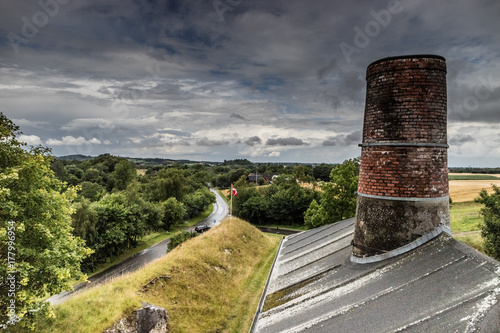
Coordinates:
(442, 286)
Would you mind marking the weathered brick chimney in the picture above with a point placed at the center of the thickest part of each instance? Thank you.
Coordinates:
(403, 183)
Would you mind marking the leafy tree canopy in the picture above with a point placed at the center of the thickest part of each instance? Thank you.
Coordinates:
(39, 252)
(491, 216)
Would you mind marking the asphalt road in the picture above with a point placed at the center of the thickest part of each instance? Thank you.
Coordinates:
(140, 259)
(221, 209)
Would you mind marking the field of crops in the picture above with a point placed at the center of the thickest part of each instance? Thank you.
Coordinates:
(465, 187)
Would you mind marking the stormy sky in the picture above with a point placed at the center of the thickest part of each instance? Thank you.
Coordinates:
(271, 80)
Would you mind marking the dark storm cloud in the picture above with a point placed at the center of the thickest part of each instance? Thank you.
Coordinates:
(163, 69)
(175, 132)
(211, 143)
(461, 139)
(253, 141)
(343, 140)
(285, 142)
(237, 116)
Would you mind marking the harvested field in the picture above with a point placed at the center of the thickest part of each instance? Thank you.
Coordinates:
(467, 190)
(141, 172)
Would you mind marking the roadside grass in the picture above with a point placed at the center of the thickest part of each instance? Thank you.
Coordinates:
(284, 227)
(195, 220)
(224, 194)
(207, 289)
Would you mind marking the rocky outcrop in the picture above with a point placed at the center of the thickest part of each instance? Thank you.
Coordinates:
(148, 319)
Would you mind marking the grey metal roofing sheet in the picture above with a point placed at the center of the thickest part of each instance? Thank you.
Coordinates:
(442, 286)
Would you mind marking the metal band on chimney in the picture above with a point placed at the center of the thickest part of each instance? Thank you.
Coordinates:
(382, 197)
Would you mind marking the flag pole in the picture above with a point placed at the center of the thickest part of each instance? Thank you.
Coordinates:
(231, 212)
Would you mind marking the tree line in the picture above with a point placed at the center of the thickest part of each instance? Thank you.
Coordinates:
(115, 206)
(297, 199)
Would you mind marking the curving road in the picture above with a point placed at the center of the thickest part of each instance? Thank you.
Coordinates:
(140, 259)
(221, 209)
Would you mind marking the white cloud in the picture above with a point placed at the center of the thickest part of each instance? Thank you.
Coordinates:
(31, 140)
(67, 141)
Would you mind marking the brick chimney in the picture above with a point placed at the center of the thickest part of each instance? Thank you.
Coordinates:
(403, 196)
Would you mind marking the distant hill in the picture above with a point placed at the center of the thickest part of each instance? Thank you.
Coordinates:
(155, 161)
(78, 157)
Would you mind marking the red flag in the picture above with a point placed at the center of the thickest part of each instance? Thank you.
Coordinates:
(235, 193)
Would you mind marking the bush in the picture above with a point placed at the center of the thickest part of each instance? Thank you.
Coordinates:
(179, 239)
(490, 230)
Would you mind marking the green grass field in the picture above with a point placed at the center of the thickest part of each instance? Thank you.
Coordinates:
(472, 177)
(466, 222)
(464, 216)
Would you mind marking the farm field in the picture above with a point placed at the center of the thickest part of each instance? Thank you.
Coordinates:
(141, 172)
(469, 185)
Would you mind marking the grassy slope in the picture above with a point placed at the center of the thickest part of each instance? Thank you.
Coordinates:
(216, 280)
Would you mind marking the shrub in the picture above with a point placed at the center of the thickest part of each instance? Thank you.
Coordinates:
(179, 239)
(490, 230)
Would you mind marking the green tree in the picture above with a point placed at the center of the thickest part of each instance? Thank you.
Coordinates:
(92, 191)
(123, 174)
(73, 175)
(58, 167)
(339, 196)
(322, 172)
(84, 222)
(168, 183)
(39, 253)
(315, 216)
(196, 202)
(173, 212)
(115, 231)
(255, 210)
(490, 229)
(93, 175)
(338, 200)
